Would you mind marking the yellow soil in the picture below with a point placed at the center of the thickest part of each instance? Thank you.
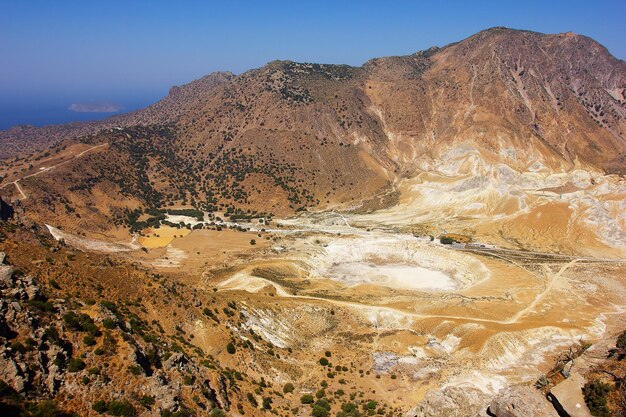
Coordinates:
(161, 237)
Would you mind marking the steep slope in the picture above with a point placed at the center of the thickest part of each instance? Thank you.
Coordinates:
(24, 139)
(335, 272)
(512, 107)
(560, 95)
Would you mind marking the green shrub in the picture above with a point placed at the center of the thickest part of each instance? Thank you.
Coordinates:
(89, 340)
(348, 407)
(75, 365)
(46, 408)
(42, 306)
(318, 411)
(307, 399)
(109, 324)
(267, 403)
(621, 340)
(230, 348)
(288, 388)
(109, 306)
(17, 346)
(371, 405)
(80, 323)
(99, 406)
(446, 240)
(252, 400)
(121, 409)
(595, 393)
(323, 361)
(147, 401)
(135, 369)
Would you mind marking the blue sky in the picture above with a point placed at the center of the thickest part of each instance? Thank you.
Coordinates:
(56, 53)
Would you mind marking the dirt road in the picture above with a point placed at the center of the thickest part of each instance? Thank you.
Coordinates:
(16, 183)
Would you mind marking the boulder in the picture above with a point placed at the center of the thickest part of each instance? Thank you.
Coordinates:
(521, 401)
(567, 397)
(166, 393)
(218, 386)
(177, 360)
(6, 274)
(13, 374)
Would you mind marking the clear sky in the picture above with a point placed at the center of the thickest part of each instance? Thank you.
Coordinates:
(57, 53)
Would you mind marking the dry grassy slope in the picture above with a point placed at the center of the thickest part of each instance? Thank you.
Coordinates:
(333, 134)
(25, 139)
(164, 340)
(561, 94)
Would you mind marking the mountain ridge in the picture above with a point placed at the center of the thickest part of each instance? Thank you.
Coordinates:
(148, 115)
(429, 234)
(501, 104)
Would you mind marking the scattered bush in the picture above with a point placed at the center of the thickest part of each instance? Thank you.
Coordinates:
(288, 388)
(109, 324)
(99, 406)
(595, 396)
(17, 346)
(135, 369)
(46, 408)
(147, 401)
(252, 400)
(230, 348)
(217, 412)
(121, 409)
(80, 323)
(307, 399)
(371, 405)
(42, 306)
(89, 340)
(267, 403)
(75, 365)
(621, 340)
(321, 408)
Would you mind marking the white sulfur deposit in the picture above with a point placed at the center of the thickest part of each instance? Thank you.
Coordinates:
(396, 261)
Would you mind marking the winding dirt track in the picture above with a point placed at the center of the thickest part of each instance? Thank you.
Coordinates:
(551, 281)
(46, 169)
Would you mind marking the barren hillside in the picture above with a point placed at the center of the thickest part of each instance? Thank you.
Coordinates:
(410, 237)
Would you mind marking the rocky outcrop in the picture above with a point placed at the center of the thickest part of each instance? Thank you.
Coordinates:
(41, 356)
(20, 369)
(521, 401)
(6, 210)
(567, 397)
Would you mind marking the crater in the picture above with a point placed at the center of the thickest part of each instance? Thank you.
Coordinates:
(397, 262)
